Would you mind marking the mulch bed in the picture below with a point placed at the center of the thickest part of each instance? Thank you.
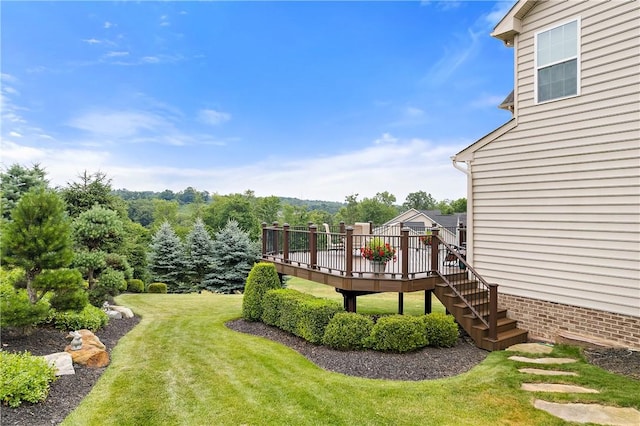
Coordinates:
(428, 363)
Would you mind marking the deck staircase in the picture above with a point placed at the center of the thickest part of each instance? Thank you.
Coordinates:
(469, 303)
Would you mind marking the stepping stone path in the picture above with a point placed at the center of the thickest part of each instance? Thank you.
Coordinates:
(580, 413)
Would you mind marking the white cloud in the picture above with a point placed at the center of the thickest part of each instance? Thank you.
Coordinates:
(108, 25)
(213, 117)
(117, 124)
(406, 166)
(487, 101)
(15, 134)
(8, 78)
(115, 54)
(92, 41)
(414, 112)
(386, 138)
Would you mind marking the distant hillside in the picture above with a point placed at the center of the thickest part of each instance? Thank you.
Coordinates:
(331, 207)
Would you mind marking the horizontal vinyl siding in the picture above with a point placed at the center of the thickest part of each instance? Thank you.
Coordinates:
(557, 199)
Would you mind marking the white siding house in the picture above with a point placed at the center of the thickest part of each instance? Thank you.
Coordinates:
(554, 194)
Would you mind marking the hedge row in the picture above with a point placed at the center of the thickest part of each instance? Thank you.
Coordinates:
(298, 313)
(393, 333)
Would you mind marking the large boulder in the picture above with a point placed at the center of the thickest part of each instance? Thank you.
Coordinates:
(92, 354)
(126, 312)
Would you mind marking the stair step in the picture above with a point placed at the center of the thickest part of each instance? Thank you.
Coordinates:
(502, 313)
(505, 339)
(504, 324)
(467, 292)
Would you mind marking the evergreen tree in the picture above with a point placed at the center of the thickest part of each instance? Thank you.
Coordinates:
(199, 254)
(92, 189)
(16, 182)
(233, 257)
(166, 260)
(38, 239)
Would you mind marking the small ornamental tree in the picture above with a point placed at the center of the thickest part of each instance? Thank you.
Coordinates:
(166, 260)
(262, 278)
(233, 257)
(37, 239)
(199, 254)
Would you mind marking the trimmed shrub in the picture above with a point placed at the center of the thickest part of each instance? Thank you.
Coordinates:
(110, 283)
(398, 333)
(441, 330)
(157, 288)
(135, 286)
(16, 309)
(262, 278)
(347, 330)
(24, 377)
(298, 313)
(90, 317)
(315, 314)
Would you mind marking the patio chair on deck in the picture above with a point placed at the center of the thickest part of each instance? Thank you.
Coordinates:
(331, 245)
(361, 232)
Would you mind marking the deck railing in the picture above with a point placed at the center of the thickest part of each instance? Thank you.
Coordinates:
(418, 255)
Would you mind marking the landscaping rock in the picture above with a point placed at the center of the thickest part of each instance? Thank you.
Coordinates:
(113, 314)
(531, 348)
(542, 360)
(591, 413)
(93, 353)
(63, 363)
(126, 312)
(556, 387)
(541, 372)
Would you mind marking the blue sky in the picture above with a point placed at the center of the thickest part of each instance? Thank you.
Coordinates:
(315, 100)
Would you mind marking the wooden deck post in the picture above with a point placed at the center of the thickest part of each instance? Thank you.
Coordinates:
(275, 235)
(493, 311)
(342, 227)
(427, 301)
(462, 234)
(285, 243)
(264, 238)
(435, 249)
(401, 303)
(349, 252)
(404, 249)
(313, 246)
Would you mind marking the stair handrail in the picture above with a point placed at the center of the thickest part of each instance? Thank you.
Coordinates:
(492, 322)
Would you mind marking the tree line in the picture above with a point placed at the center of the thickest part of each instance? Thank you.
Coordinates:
(82, 242)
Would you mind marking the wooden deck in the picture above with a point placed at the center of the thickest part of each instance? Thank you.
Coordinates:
(331, 269)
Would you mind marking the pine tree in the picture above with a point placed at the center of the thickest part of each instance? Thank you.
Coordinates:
(166, 259)
(199, 254)
(233, 257)
(38, 239)
(16, 182)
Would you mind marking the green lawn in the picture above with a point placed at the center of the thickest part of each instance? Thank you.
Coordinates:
(182, 366)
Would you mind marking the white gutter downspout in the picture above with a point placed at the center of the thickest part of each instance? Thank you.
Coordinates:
(467, 171)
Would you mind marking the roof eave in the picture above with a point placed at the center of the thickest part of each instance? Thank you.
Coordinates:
(510, 25)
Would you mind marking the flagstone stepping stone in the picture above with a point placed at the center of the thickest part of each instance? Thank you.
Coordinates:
(542, 360)
(531, 348)
(546, 372)
(555, 387)
(591, 413)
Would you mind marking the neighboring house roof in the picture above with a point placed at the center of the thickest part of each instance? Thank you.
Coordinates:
(445, 220)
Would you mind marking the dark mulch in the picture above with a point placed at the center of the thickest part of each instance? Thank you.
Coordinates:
(67, 391)
(429, 363)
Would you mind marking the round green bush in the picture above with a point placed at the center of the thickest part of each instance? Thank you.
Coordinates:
(398, 333)
(347, 330)
(157, 288)
(16, 310)
(135, 286)
(441, 330)
(90, 317)
(24, 377)
(262, 278)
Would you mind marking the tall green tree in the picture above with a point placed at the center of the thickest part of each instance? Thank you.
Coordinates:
(98, 234)
(267, 209)
(91, 189)
(38, 240)
(237, 207)
(166, 259)
(378, 209)
(199, 254)
(17, 181)
(350, 213)
(234, 254)
(419, 200)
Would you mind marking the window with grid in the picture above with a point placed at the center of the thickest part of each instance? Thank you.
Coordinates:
(557, 57)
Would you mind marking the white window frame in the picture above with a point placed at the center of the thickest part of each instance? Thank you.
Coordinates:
(576, 57)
